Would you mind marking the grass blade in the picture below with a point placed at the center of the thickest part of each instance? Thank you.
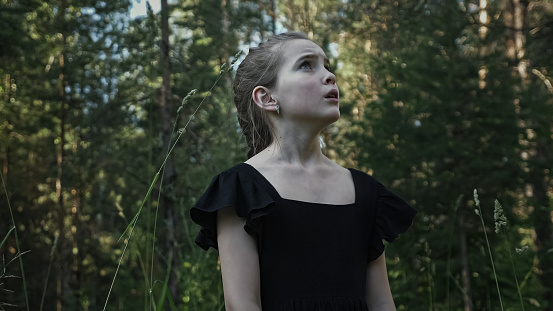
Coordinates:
(135, 218)
(134, 221)
(17, 245)
(6, 237)
(479, 213)
(48, 273)
(515, 273)
(131, 226)
(165, 294)
(454, 220)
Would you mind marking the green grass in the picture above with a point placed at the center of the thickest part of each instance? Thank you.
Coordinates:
(19, 254)
(165, 295)
(448, 264)
(479, 213)
(54, 246)
(500, 221)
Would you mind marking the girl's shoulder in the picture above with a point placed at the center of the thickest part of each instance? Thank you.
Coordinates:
(240, 168)
(235, 187)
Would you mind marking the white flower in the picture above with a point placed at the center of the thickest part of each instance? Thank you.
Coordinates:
(521, 250)
(499, 217)
(476, 201)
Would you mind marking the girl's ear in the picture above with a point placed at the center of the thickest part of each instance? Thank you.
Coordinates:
(262, 98)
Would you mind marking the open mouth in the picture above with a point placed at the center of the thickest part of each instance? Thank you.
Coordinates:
(332, 94)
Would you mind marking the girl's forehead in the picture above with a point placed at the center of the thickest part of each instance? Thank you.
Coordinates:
(300, 47)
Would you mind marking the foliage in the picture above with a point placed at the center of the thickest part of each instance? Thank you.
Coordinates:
(432, 105)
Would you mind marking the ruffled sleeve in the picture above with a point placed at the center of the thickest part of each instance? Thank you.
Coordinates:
(393, 217)
(231, 188)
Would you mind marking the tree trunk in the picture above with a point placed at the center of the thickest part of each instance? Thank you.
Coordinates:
(225, 34)
(76, 228)
(6, 157)
(543, 226)
(465, 270)
(273, 17)
(291, 14)
(61, 250)
(170, 176)
(515, 20)
(6, 132)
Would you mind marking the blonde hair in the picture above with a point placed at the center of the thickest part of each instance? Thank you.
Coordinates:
(259, 68)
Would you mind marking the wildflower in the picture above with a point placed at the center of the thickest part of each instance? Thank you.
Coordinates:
(185, 99)
(499, 217)
(521, 250)
(235, 59)
(476, 201)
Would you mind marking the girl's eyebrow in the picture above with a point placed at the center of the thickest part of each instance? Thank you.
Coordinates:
(313, 56)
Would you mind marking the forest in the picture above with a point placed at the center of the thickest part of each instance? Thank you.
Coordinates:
(112, 126)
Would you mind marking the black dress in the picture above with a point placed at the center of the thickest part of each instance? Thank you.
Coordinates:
(312, 256)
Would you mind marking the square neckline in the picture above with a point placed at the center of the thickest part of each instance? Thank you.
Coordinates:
(272, 189)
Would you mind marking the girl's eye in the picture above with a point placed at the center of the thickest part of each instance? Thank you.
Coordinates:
(305, 65)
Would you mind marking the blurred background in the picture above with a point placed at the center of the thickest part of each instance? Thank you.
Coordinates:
(438, 98)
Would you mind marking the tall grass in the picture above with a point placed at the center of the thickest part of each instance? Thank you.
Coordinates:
(4, 274)
(6, 237)
(19, 254)
(168, 152)
(130, 228)
(448, 264)
(499, 221)
(54, 246)
(478, 212)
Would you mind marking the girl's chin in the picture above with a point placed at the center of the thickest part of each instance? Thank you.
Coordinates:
(329, 116)
(332, 117)
(335, 115)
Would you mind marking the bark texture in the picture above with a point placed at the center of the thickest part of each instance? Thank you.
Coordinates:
(170, 175)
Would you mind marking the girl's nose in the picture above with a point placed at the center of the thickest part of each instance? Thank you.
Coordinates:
(330, 78)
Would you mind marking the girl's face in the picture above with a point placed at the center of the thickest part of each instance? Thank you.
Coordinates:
(306, 89)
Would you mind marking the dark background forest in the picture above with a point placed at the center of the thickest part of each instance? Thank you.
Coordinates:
(438, 98)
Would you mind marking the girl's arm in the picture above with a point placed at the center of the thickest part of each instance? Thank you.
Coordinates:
(378, 294)
(239, 263)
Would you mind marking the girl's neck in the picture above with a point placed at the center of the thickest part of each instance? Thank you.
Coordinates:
(295, 143)
(296, 149)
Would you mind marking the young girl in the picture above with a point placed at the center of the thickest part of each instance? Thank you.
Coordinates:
(295, 230)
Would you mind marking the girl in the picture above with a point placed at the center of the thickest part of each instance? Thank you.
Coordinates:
(295, 230)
